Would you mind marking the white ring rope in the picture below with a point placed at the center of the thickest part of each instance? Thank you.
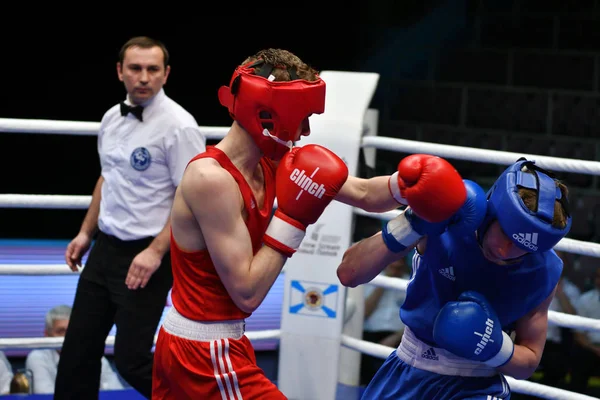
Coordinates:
(78, 128)
(50, 201)
(480, 155)
(36, 269)
(56, 342)
(82, 202)
(39, 126)
(42, 126)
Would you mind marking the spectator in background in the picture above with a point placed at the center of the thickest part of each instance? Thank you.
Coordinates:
(6, 374)
(586, 351)
(382, 323)
(556, 359)
(43, 363)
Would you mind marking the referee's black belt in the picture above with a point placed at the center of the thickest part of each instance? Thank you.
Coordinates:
(115, 241)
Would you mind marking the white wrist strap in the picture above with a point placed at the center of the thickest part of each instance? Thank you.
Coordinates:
(505, 353)
(402, 231)
(395, 189)
(285, 233)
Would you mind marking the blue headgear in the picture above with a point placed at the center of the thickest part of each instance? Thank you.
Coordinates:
(532, 231)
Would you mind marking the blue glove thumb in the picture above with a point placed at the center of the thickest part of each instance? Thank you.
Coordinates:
(478, 298)
(468, 218)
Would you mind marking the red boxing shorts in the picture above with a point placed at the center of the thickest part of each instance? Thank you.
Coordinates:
(193, 360)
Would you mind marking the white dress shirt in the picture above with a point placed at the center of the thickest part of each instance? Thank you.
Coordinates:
(43, 364)
(6, 374)
(589, 306)
(142, 164)
(572, 292)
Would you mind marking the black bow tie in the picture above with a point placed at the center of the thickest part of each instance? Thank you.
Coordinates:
(135, 110)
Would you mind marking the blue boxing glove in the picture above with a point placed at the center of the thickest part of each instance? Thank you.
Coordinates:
(468, 218)
(407, 228)
(470, 328)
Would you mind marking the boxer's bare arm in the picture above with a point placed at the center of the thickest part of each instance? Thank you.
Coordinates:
(215, 201)
(364, 260)
(371, 195)
(530, 340)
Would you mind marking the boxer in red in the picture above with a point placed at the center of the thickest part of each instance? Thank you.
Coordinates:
(227, 247)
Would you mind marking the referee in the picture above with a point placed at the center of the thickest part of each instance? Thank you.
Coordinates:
(144, 145)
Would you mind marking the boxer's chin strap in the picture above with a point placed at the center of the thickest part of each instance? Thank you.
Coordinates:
(289, 144)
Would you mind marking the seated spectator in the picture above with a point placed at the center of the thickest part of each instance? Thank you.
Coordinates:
(586, 350)
(382, 321)
(556, 358)
(44, 363)
(6, 374)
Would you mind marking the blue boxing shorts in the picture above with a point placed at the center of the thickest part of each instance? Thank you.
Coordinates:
(408, 373)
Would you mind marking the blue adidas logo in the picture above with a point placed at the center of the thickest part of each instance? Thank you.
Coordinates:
(430, 354)
(448, 273)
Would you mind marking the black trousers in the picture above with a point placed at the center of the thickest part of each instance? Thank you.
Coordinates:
(102, 299)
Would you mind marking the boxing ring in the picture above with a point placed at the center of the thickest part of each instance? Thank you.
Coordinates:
(320, 341)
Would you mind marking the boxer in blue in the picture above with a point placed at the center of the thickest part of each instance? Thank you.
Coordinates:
(476, 307)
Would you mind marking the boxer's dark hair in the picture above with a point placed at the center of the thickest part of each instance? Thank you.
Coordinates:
(530, 199)
(286, 65)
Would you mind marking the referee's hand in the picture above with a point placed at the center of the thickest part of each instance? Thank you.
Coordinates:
(142, 267)
(76, 249)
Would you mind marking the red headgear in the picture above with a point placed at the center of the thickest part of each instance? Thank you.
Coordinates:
(270, 111)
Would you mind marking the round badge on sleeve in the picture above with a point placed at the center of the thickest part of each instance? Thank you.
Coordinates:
(140, 159)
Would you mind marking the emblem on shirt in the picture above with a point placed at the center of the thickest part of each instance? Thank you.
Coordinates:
(140, 159)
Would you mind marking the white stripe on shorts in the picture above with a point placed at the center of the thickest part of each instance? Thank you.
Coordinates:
(213, 358)
(224, 373)
(236, 386)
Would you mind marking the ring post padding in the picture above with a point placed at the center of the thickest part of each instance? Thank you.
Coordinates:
(313, 303)
(350, 360)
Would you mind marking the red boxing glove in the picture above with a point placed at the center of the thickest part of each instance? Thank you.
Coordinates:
(308, 178)
(430, 185)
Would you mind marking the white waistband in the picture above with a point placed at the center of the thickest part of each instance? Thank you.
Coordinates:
(420, 355)
(178, 325)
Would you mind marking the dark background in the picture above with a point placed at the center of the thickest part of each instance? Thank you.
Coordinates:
(65, 69)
